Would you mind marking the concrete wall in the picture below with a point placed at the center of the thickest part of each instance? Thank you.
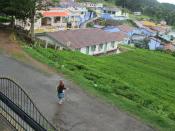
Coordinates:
(153, 44)
(38, 24)
(105, 48)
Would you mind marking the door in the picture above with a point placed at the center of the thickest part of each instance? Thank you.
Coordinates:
(87, 50)
(105, 48)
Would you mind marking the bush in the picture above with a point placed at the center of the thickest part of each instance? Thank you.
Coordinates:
(90, 25)
(172, 116)
(173, 54)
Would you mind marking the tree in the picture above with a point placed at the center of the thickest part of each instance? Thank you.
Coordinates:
(23, 10)
(33, 7)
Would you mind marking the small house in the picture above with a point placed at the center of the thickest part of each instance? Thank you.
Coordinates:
(113, 13)
(52, 20)
(138, 13)
(155, 43)
(87, 41)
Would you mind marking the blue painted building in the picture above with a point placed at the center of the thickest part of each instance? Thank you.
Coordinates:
(111, 29)
(154, 44)
(146, 32)
(113, 14)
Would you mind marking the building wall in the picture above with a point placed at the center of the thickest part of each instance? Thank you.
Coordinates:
(38, 24)
(98, 50)
(153, 44)
(118, 13)
(105, 47)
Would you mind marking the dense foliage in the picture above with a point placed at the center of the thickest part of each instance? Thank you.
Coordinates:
(22, 10)
(139, 81)
(158, 11)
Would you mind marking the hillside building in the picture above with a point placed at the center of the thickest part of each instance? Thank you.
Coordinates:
(87, 41)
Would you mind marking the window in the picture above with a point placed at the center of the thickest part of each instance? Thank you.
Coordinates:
(112, 44)
(57, 19)
(100, 47)
(93, 48)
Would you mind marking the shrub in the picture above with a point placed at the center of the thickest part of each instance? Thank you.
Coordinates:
(172, 116)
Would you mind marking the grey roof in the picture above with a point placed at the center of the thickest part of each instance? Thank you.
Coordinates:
(83, 37)
(111, 9)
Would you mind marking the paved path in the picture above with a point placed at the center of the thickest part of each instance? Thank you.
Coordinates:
(80, 112)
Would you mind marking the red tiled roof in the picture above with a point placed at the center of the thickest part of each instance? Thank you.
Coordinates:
(83, 37)
(56, 13)
(125, 28)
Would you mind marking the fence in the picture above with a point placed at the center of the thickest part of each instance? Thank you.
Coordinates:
(19, 110)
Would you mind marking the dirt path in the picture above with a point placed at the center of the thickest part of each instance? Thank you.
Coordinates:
(80, 112)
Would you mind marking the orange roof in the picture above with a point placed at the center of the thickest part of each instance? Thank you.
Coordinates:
(48, 13)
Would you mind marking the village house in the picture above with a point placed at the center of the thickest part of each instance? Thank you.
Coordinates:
(172, 34)
(155, 43)
(77, 16)
(143, 29)
(91, 5)
(113, 29)
(87, 41)
(158, 43)
(78, 12)
(136, 38)
(52, 20)
(56, 19)
(113, 13)
(67, 3)
(121, 28)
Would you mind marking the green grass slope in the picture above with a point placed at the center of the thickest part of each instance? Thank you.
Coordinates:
(139, 81)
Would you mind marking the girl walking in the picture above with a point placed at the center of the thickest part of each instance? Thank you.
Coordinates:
(60, 91)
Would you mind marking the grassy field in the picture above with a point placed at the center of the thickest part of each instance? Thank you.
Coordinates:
(140, 82)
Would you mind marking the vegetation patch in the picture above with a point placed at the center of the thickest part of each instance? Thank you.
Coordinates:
(138, 81)
(4, 19)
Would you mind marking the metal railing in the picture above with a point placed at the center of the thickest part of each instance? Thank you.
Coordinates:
(18, 108)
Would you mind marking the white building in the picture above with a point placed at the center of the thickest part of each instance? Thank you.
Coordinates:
(56, 19)
(91, 5)
(52, 20)
(138, 13)
(87, 41)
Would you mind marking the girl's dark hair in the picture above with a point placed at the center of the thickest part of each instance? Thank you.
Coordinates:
(61, 83)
